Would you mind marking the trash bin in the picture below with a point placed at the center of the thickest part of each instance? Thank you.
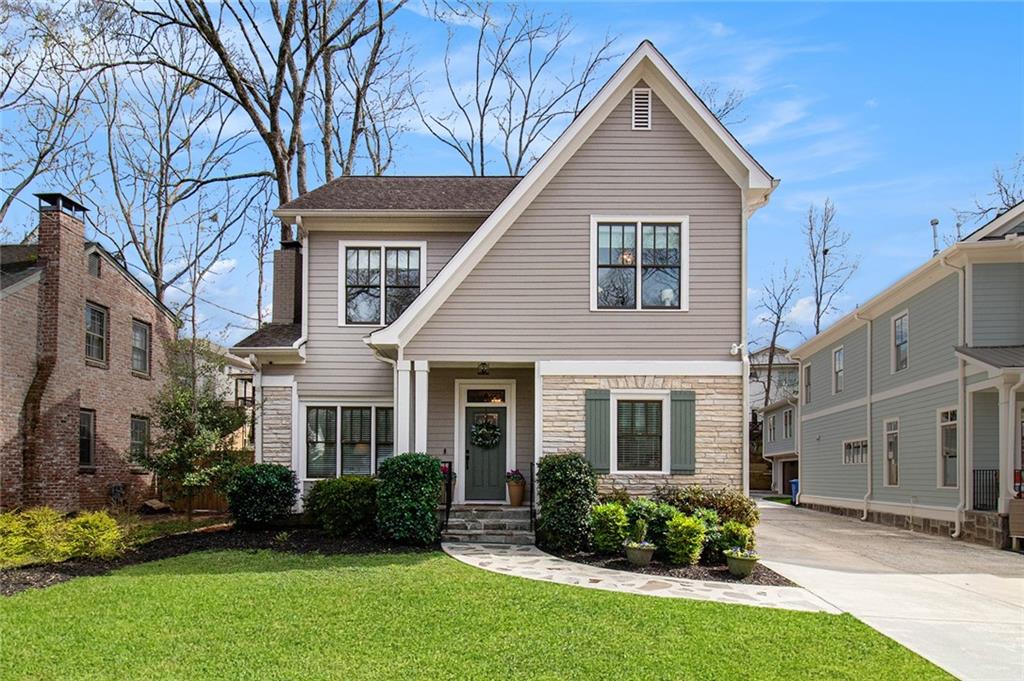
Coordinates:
(794, 489)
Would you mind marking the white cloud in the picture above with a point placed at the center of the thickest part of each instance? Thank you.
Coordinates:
(871, 103)
(802, 311)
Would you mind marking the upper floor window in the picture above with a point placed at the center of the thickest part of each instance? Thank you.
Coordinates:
(95, 332)
(140, 347)
(378, 282)
(838, 374)
(94, 264)
(771, 428)
(639, 264)
(900, 342)
(787, 424)
(807, 384)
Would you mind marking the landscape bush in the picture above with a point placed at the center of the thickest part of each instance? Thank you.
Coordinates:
(734, 535)
(685, 539)
(566, 490)
(730, 504)
(712, 553)
(44, 535)
(261, 494)
(94, 535)
(610, 525)
(345, 506)
(407, 494)
(657, 516)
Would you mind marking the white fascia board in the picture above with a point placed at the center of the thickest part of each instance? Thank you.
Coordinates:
(290, 216)
(645, 63)
(640, 368)
(1006, 219)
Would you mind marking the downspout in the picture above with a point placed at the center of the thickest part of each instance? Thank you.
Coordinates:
(257, 408)
(961, 400)
(868, 411)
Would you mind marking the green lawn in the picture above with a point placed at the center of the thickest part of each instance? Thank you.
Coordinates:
(280, 616)
(780, 500)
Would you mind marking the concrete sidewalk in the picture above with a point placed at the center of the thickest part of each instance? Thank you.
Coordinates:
(959, 605)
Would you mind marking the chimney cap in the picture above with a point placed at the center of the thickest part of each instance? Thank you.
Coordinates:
(61, 202)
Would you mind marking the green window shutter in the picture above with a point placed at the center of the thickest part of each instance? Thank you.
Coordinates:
(598, 429)
(684, 431)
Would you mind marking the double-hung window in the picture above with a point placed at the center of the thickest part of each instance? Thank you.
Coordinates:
(948, 448)
(321, 442)
(771, 428)
(900, 342)
(838, 373)
(892, 453)
(787, 424)
(639, 435)
(378, 281)
(347, 440)
(140, 347)
(95, 332)
(86, 437)
(807, 384)
(855, 452)
(639, 264)
(139, 437)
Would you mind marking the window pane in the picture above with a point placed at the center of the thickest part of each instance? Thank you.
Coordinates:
(489, 396)
(385, 434)
(398, 300)
(660, 287)
(86, 437)
(363, 305)
(321, 442)
(355, 440)
(140, 347)
(403, 267)
(139, 437)
(892, 455)
(95, 333)
(362, 285)
(949, 454)
(616, 244)
(639, 436)
(616, 287)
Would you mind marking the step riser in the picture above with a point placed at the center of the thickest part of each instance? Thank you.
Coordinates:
(463, 524)
(521, 538)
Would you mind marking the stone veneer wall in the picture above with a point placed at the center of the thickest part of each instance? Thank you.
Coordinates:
(720, 423)
(276, 426)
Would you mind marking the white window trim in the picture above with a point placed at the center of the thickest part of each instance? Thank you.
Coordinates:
(805, 394)
(684, 260)
(885, 450)
(303, 462)
(835, 384)
(892, 340)
(666, 428)
(771, 428)
(855, 440)
(787, 429)
(938, 446)
(381, 245)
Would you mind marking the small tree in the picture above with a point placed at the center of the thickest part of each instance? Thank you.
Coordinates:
(192, 448)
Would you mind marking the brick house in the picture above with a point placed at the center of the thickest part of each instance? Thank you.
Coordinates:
(84, 348)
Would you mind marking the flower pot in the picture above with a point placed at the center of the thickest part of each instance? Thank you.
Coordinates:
(640, 555)
(515, 493)
(741, 567)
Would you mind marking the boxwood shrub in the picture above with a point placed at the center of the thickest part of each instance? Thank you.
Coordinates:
(730, 504)
(261, 493)
(685, 539)
(657, 516)
(345, 506)
(566, 490)
(407, 494)
(610, 524)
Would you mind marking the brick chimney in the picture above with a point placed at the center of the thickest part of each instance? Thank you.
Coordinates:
(287, 284)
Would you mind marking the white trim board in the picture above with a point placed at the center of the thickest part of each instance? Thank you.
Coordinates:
(640, 368)
(462, 386)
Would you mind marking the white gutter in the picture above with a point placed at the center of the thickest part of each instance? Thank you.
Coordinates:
(868, 411)
(961, 399)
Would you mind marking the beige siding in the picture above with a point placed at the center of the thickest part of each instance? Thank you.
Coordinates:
(338, 363)
(529, 298)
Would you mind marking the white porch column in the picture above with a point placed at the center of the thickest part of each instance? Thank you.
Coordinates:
(422, 368)
(1005, 449)
(403, 371)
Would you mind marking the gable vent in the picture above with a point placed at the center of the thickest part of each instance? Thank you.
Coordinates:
(642, 108)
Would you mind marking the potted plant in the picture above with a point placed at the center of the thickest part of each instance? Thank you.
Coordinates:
(446, 470)
(639, 551)
(516, 486)
(741, 561)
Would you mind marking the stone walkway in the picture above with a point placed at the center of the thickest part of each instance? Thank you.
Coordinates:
(530, 562)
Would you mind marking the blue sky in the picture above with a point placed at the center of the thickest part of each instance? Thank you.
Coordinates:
(897, 112)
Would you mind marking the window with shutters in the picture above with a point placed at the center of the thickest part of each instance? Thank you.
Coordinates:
(378, 281)
(642, 108)
(640, 433)
(639, 263)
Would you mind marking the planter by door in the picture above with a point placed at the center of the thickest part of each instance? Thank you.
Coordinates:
(485, 467)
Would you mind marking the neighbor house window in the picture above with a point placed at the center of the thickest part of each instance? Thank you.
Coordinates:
(771, 428)
(787, 424)
(356, 440)
(139, 437)
(948, 447)
(95, 332)
(385, 434)
(94, 264)
(86, 437)
(140, 347)
(892, 453)
(639, 435)
(837, 370)
(807, 384)
(321, 442)
(900, 342)
(855, 452)
(639, 265)
(379, 282)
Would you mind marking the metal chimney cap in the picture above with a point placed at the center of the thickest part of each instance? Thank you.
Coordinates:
(934, 222)
(61, 202)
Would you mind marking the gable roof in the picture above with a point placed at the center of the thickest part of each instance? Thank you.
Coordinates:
(646, 64)
(403, 193)
(1007, 220)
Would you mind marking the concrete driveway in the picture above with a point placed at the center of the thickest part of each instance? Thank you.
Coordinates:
(959, 605)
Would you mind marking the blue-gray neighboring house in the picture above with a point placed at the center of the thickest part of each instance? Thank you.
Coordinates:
(911, 407)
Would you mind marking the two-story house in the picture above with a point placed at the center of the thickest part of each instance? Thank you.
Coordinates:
(595, 305)
(83, 348)
(911, 408)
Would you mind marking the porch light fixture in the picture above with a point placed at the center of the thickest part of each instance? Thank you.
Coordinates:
(483, 370)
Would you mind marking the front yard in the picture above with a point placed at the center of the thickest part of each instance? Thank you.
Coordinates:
(242, 614)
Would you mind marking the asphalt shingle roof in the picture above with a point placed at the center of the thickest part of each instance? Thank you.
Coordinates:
(406, 193)
(272, 336)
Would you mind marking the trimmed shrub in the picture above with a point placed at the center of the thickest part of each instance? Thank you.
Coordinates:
(712, 553)
(345, 506)
(566, 489)
(610, 525)
(730, 504)
(407, 496)
(657, 516)
(93, 535)
(736, 534)
(685, 539)
(261, 493)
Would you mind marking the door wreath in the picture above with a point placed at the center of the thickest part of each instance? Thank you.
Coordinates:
(485, 435)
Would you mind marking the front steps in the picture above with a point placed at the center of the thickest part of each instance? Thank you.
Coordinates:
(486, 524)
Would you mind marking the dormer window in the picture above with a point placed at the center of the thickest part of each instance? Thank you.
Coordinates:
(642, 108)
(639, 264)
(377, 282)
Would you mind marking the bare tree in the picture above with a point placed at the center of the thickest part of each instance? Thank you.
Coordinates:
(521, 87)
(1007, 192)
(777, 297)
(828, 264)
(261, 241)
(725, 105)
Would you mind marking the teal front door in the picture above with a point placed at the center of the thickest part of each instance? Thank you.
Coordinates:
(485, 466)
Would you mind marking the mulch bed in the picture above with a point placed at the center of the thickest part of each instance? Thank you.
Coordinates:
(711, 573)
(298, 540)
